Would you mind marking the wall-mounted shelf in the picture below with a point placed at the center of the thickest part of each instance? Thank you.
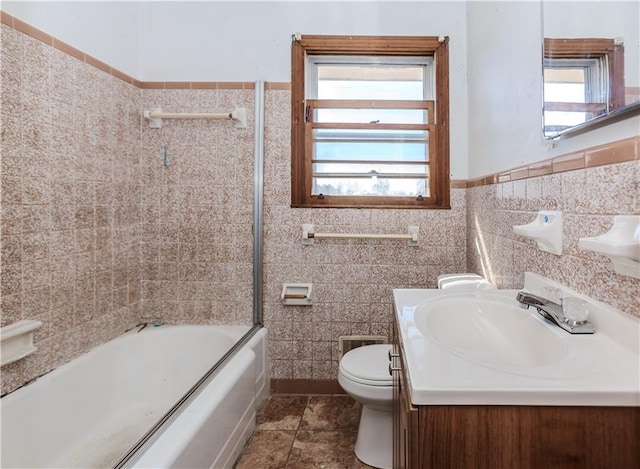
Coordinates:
(621, 244)
(545, 230)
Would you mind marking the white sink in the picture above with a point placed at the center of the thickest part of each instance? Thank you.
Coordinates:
(481, 348)
(491, 329)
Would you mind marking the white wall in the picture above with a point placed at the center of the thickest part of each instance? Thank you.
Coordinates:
(107, 31)
(246, 41)
(605, 19)
(505, 91)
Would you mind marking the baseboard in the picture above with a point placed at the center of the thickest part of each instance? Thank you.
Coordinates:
(306, 386)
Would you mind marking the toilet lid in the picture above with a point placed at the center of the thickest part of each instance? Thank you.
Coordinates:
(368, 364)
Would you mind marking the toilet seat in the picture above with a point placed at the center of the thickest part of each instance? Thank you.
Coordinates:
(367, 365)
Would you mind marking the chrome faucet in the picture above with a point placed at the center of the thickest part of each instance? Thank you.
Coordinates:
(552, 312)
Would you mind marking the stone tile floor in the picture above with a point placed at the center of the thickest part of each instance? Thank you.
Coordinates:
(304, 432)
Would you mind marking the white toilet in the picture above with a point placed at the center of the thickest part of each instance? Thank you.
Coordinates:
(466, 282)
(364, 375)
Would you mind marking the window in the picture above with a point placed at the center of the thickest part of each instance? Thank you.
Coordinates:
(583, 79)
(370, 123)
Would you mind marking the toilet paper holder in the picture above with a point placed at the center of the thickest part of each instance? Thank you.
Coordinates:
(296, 294)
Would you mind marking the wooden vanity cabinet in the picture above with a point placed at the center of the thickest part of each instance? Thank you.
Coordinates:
(509, 437)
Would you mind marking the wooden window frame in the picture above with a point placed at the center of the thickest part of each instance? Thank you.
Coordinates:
(587, 48)
(301, 166)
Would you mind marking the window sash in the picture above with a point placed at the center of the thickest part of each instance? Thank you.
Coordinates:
(594, 74)
(372, 134)
(316, 61)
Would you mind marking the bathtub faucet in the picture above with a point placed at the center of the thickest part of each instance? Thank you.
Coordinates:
(552, 312)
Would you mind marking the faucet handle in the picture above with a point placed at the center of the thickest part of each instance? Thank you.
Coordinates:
(551, 293)
(575, 310)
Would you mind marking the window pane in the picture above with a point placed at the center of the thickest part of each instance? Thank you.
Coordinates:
(377, 151)
(370, 162)
(360, 89)
(379, 145)
(363, 116)
(564, 92)
(359, 135)
(370, 79)
(564, 119)
(371, 186)
(368, 169)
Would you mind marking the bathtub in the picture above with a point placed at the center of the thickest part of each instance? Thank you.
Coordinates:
(93, 410)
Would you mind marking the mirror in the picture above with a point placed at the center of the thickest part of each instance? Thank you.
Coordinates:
(591, 64)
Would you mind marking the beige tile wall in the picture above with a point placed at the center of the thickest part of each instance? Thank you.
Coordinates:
(97, 235)
(588, 197)
(197, 212)
(352, 279)
(70, 202)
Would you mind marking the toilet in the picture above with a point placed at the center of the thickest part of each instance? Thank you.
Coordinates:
(465, 282)
(364, 375)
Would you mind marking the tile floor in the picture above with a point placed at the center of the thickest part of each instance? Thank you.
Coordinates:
(301, 431)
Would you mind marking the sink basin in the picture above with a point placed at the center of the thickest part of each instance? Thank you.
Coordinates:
(481, 348)
(491, 330)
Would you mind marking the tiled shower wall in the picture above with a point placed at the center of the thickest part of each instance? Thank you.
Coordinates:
(97, 233)
(352, 279)
(70, 202)
(197, 210)
(588, 197)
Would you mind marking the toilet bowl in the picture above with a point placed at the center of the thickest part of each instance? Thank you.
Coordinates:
(364, 375)
(466, 282)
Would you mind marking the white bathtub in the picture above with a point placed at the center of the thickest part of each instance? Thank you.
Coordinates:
(92, 410)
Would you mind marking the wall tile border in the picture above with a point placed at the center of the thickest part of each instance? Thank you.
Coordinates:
(275, 85)
(41, 36)
(35, 33)
(621, 151)
(197, 85)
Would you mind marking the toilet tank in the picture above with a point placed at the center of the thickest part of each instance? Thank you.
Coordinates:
(465, 282)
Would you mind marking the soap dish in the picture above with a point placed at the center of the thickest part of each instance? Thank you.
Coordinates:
(545, 230)
(621, 244)
(16, 341)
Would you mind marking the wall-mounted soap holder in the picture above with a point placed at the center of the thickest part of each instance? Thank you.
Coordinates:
(545, 230)
(621, 244)
(16, 341)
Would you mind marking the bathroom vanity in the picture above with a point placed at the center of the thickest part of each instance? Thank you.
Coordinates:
(472, 392)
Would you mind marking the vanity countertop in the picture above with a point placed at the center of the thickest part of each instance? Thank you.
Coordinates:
(601, 369)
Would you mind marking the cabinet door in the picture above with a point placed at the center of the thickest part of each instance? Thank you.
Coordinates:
(409, 429)
(405, 415)
(397, 420)
(404, 437)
